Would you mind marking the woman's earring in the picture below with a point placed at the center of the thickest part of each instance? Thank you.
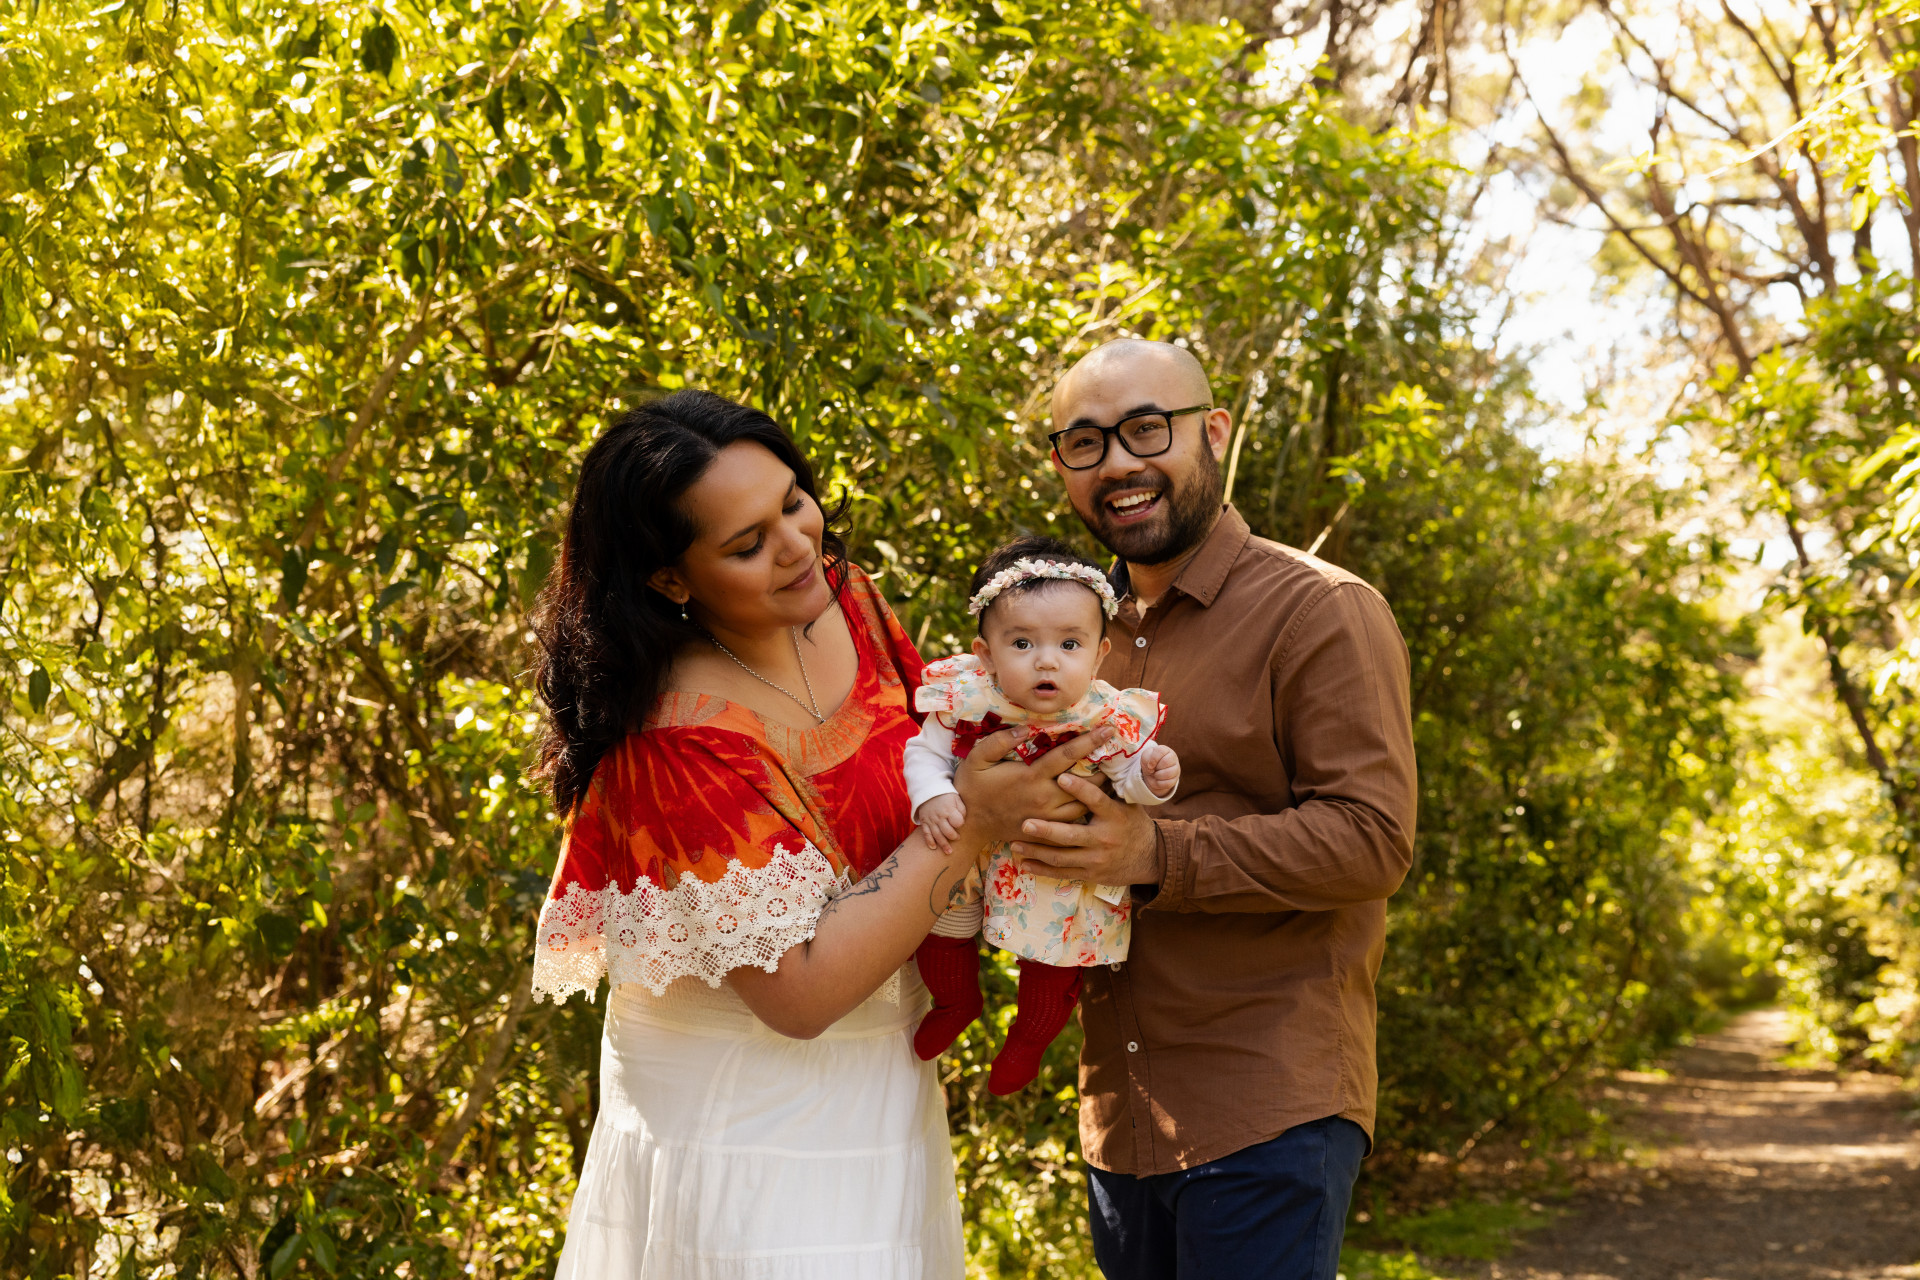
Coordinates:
(683, 612)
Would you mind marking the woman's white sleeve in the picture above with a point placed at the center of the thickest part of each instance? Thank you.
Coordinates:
(928, 763)
(1130, 783)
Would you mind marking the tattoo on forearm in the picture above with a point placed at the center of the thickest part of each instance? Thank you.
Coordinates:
(955, 895)
(868, 884)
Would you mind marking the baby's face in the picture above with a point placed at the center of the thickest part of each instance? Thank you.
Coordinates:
(1043, 646)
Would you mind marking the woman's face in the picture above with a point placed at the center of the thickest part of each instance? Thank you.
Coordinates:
(755, 559)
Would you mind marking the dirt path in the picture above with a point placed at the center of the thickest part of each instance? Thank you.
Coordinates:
(1762, 1173)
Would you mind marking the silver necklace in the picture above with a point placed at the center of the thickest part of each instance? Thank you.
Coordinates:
(812, 704)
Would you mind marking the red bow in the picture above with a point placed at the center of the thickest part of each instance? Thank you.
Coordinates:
(1030, 748)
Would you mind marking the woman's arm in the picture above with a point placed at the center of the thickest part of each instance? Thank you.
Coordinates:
(873, 928)
(864, 935)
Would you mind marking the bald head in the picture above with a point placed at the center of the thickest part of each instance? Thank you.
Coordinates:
(1105, 374)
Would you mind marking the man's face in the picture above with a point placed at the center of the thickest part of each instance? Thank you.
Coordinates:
(1146, 510)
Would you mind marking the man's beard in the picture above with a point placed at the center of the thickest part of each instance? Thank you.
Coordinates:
(1186, 515)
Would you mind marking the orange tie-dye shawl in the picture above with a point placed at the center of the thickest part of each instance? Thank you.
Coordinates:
(712, 839)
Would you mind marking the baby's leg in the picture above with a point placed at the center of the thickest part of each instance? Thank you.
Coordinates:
(1047, 996)
(949, 963)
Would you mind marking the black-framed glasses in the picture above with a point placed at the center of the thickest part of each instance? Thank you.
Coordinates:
(1143, 435)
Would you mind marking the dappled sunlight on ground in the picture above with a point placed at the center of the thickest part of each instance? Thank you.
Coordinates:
(1763, 1172)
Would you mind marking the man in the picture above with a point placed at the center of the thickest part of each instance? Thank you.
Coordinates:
(1228, 1077)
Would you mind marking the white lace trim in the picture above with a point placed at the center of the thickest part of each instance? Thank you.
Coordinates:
(654, 936)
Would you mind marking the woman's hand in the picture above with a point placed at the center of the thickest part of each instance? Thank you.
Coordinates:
(1003, 794)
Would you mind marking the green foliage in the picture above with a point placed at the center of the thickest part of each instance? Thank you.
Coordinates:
(308, 312)
(1474, 1229)
(1369, 1264)
(1022, 1184)
(1801, 903)
(1571, 707)
(1827, 432)
(1799, 396)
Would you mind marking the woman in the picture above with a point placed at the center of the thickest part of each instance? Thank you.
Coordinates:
(727, 699)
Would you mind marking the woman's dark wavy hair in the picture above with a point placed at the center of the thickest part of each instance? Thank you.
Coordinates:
(606, 638)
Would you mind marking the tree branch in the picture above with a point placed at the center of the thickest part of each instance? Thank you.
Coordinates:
(485, 1080)
(1843, 684)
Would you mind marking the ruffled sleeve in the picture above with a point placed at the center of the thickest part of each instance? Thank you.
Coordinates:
(1135, 716)
(691, 854)
(957, 689)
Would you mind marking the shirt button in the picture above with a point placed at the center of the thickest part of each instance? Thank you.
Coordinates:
(1139, 642)
(1133, 1046)
(1115, 966)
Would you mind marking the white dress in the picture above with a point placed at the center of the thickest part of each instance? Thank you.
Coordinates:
(726, 1151)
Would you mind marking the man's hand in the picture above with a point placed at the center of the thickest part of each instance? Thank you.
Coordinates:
(1000, 795)
(1118, 847)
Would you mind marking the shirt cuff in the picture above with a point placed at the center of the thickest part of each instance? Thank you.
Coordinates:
(1174, 845)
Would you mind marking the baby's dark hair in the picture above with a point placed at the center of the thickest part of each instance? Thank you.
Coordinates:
(1031, 546)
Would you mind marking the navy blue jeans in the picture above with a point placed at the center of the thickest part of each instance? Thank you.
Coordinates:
(1275, 1211)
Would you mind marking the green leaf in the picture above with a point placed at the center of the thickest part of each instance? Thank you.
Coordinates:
(452, 180)
(293, 576)
(207, 1170)
(39, 688)
(280, 933)
(324, 1251)
(744, 22)
(539, 565)
(286, 1255)
(1901, 445)
(390, 593)
(378, 47)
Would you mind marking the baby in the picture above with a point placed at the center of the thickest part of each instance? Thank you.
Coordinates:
(1043, 614)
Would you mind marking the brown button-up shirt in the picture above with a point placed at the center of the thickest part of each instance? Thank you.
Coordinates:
(1246, 1004)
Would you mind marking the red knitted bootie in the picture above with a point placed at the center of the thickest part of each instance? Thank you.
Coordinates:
(951, 969)
(1047, 996)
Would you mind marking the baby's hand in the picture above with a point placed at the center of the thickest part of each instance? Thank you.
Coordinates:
(1161, 769)
(940, 820)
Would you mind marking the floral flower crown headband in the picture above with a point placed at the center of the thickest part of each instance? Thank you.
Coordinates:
(1027, 570)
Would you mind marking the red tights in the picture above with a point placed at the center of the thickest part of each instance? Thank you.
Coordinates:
(951, 969)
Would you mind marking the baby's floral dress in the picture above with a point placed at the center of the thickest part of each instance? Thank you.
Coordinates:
(1060, 922)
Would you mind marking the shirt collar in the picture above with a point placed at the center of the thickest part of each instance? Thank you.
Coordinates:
(1206, 573)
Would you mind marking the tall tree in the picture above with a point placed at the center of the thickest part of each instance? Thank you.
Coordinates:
(309, 311)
